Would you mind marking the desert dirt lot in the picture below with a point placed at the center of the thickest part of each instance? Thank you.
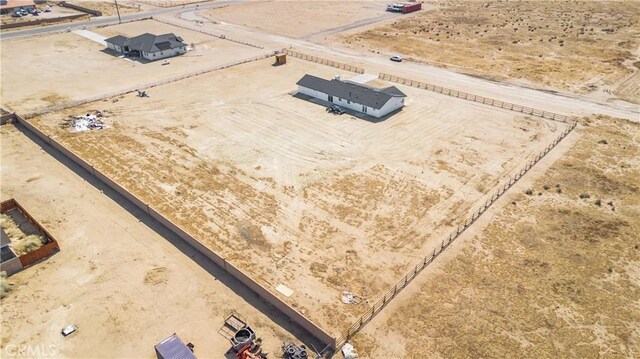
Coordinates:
(70, 67)
(108, 8)
(553, 275)
(296, 196)
(119, 277)
(581, 46)
(297, 18)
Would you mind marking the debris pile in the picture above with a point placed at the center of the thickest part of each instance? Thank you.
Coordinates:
(349, 352)
(86, 122)
(350, 298)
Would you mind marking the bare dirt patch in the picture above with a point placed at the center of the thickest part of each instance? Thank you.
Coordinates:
(571, 45)
(278, 186)
(297, 18)
(553, 275)
(70, 67)
(108, 8)
(629, 90)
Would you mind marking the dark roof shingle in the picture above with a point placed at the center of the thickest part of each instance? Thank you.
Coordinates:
(148, 42)
(354, 92)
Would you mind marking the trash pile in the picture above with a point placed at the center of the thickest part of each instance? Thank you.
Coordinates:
(86, 122)
(349, 352)
(350, 298)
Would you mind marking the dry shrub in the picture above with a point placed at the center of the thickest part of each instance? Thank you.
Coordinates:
(5, 287)
(20, 242)
(27, 244)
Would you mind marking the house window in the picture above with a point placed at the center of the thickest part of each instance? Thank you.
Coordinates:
(161, 53)
(401, 100)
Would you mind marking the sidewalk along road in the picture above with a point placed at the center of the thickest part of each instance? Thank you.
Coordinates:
(111, 20)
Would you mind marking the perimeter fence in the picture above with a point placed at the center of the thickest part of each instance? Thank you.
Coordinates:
(323, 61)
(429, 258)
(477, 98)
(204, 31)
(143, 86)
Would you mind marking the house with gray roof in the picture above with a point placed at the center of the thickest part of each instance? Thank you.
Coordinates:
(148, 46)
(358, 97)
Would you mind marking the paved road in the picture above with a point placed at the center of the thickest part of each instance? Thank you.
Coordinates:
(108, 20)
(562, 103)
(568, 104)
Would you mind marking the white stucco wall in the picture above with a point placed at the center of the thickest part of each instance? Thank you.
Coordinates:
(164, 54)
(114, 47)
(393, 104)
(313, 93)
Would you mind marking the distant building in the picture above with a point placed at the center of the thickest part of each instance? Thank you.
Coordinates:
(367, 100)
(148, 46)
(9, 6)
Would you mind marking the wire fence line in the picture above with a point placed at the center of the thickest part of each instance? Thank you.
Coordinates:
(479, 99)
(323, 61)
(143, 86)
(430, 257)
(204, 31)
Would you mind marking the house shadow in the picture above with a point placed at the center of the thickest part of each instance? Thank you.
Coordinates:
(117, 54)
(347, 111)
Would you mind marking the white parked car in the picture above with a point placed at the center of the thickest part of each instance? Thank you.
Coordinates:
(396, 58)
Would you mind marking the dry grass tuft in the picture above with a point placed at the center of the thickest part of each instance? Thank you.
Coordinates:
(5, 286)
(20, 241)
(555, 276)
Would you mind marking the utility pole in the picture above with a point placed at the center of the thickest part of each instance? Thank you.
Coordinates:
(118, 11)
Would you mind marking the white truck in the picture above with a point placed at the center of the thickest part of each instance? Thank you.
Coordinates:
(395, 7)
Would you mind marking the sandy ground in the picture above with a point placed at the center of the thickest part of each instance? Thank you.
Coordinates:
(170, 3)
(299, 197)
(108, 8)
(123, 280)
(70, 67)
(579, 46)
(297, 18)
(552, 275)
(629, 89)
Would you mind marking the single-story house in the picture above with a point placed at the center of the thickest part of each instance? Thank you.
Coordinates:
(9, 6)
(367, 100)
(148, 46)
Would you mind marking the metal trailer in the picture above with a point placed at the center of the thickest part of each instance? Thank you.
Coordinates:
(407, 8)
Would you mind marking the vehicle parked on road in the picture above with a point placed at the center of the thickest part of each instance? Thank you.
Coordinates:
(16, 14)
(396, 58)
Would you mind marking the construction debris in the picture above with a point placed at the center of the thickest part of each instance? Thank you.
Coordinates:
(350, 298)
(349, 352)
(292, 351)
(86, 122)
